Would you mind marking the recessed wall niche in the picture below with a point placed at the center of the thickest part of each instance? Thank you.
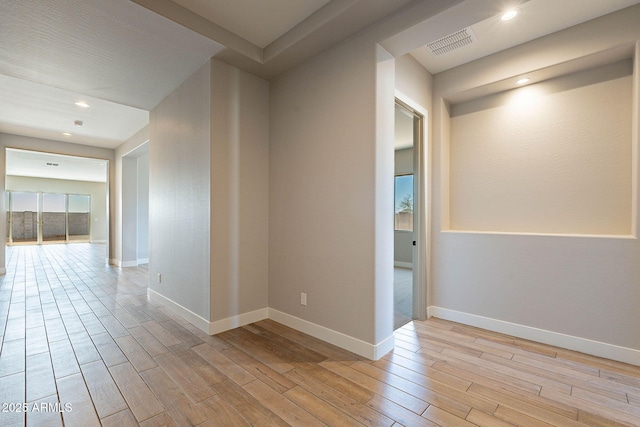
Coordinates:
(552, 157)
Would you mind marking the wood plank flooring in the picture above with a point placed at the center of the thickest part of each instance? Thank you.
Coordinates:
(82, 346)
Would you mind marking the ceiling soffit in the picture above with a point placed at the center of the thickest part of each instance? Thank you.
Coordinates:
(325, 27)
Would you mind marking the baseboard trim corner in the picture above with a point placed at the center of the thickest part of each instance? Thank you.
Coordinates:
(193, 318)
(3, 271)
(583, 345)
(237, 321)
(349, 343)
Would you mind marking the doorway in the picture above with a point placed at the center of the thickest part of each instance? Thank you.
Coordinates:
(54, 198)
(409, 242)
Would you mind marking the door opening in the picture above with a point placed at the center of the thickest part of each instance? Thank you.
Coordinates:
(55, 198)
(409, 286)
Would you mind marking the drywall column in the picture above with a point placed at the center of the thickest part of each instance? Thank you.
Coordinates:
(180, 198)
(330, 193)
(239, 197)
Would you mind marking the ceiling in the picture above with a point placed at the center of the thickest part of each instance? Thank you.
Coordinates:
(247, 18)
(123, 57)
(55, 166)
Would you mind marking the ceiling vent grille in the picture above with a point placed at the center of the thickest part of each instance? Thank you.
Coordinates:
(452, 42)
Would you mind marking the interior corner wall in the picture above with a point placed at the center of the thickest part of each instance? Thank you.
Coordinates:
(322, 192)
(180, 196)
(579, 292)
(239, 196)
(57, 147)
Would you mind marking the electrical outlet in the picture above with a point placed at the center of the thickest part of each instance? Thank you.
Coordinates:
(303, 298)
(159, 278)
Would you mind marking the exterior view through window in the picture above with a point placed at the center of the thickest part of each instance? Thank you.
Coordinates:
(47, 217)
(404, 202)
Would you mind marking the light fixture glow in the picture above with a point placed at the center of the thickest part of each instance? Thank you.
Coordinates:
(66, 133)
(523, 81)
(82, 104)
(509, 15)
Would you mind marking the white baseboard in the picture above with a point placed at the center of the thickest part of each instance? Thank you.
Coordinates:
(143, 261)
(3, 270)
(583, 345)
(402, 264)
(354, 345)
(193, 318)
(98, 241)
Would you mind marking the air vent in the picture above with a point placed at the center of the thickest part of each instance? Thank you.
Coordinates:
(52, 164)
(452, 42)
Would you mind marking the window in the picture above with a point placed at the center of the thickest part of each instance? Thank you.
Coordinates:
(404, 203)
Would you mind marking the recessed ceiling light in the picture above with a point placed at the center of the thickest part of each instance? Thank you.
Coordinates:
(523, 81)
(82, 104)
(509, 15)
(66, 133)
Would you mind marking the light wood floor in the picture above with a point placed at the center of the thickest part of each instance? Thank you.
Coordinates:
(79, 333)
(402, 296)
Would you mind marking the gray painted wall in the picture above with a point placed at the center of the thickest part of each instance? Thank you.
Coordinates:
(180, 194)
(331, 193)
(208, 193)
(239, 192)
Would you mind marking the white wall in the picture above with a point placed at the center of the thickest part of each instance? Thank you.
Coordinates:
(97, 191)
(239, 195)
(574, 291)
(180, 194)
(331, 193)
(56, 147)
